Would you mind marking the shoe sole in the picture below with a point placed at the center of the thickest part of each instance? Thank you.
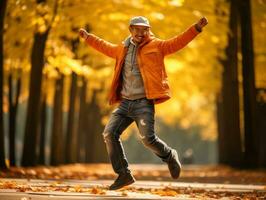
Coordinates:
(175, 175)
(126, 184)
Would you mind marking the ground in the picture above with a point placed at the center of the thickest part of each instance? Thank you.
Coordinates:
(90, 181)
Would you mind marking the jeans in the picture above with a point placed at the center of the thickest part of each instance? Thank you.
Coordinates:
(142, 112)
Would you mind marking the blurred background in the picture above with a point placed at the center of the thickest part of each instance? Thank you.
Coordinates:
(54, 87)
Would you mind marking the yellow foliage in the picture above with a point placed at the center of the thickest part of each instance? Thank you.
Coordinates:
(173, 65)
(194, 72)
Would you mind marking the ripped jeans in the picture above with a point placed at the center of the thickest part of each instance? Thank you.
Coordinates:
(142, 112)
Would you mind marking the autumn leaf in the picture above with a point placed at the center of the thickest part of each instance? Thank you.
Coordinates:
(78, 188)
(96, 190)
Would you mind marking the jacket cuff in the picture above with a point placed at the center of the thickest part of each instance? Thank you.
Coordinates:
(198, 28)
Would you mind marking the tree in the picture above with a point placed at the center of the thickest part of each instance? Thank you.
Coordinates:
(261, 125)
(96, 150)
(251, 133)
(3, 4)
(71, 135)
(13, 106)
(82, 122)
(229, 137)
(41, 160)
(57, 138)
(33, 111)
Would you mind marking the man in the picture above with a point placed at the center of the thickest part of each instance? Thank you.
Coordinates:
(139, 82)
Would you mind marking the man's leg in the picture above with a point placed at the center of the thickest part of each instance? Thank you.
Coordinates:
(144, 118)
(118, 122)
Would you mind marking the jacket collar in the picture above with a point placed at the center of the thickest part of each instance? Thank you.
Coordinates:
(127, 41)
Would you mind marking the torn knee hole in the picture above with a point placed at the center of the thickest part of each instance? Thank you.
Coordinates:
(110, 135)
(106, 134)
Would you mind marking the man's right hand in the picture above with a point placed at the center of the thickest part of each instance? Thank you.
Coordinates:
(202, 22)
(83, 33)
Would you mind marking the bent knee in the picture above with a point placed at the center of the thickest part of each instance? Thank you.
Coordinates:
(106, 134)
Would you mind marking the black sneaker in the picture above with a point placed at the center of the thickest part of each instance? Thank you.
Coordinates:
(174, 165)
(122, 180)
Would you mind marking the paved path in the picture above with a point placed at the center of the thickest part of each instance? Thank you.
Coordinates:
(13, 194)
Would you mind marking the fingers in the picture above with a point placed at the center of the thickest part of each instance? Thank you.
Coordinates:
(83, 33)
(203, 22)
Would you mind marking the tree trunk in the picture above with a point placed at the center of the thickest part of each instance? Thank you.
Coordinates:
(3, 165)
(228, 107)
(82, 123)
(33, 110)
(32, 130)
(41, 160)
(261, 127)
(12, 123)
(96, 150)
(222, 156)
(57, 139)
(71, 140)
(251, 136)
(13, 105)
(90, 133)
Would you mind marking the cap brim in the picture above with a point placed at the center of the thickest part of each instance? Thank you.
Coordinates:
(140, 24)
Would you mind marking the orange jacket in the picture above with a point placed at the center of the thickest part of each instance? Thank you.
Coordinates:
(150, 58)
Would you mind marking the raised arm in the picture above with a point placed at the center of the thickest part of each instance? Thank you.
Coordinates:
(178, 42)
(99, 44)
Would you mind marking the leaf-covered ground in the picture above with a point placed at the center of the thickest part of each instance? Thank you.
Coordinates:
(62, 175)
(202, 174)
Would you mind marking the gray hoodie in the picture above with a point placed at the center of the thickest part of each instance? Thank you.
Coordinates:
(132, 84)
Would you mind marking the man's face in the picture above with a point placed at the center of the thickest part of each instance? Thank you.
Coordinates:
(139, 33)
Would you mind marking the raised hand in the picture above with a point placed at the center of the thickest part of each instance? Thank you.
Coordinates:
(202, 22)
(83, 33)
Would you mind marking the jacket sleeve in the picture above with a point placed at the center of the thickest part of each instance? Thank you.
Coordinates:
(178, 42)
(102, 46)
